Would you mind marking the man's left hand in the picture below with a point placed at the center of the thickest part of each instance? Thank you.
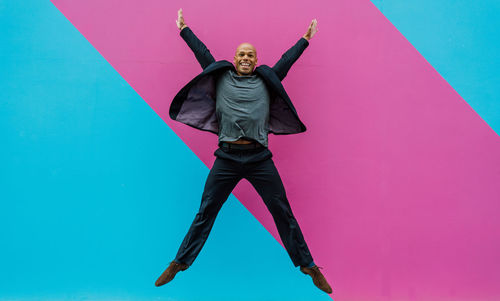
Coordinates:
(311, 30)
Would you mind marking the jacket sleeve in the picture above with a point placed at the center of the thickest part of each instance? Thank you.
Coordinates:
(288, 58)
(199, 49)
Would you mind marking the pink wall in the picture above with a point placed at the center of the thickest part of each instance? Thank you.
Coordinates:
(395, 183)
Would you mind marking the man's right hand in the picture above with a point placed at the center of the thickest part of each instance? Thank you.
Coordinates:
(180, 20)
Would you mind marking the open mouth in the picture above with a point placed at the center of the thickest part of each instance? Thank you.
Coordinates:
(245, 65)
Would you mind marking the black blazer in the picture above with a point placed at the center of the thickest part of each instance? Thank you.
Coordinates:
(194, 105)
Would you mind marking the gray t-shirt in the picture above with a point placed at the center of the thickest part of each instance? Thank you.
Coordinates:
(242, 107)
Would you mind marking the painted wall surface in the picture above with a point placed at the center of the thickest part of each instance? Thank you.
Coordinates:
(394, 184)
(459, 39)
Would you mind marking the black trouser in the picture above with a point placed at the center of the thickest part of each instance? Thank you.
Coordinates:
(255, 165)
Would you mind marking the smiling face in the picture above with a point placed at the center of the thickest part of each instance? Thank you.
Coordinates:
(245, 59)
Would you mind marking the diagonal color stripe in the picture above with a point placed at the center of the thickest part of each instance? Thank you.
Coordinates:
(460, 40)
(395, 182)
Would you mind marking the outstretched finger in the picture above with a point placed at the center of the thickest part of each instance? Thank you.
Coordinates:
(315, 24)
(310, 26)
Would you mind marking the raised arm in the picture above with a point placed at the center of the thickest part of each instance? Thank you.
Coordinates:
(288, 58)
(199, 49)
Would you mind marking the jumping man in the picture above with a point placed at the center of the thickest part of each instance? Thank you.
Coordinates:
(242, 104)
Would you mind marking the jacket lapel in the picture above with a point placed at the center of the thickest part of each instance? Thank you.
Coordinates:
(194, 104)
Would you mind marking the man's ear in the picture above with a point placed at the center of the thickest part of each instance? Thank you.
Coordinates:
(234, 60)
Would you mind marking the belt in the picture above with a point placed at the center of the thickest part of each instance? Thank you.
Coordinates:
(253, 145)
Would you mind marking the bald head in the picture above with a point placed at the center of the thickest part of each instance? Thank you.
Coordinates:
(246, 46)
(245, 59)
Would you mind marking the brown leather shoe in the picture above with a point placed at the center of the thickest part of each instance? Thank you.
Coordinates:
(170, 272)
(317, 277)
